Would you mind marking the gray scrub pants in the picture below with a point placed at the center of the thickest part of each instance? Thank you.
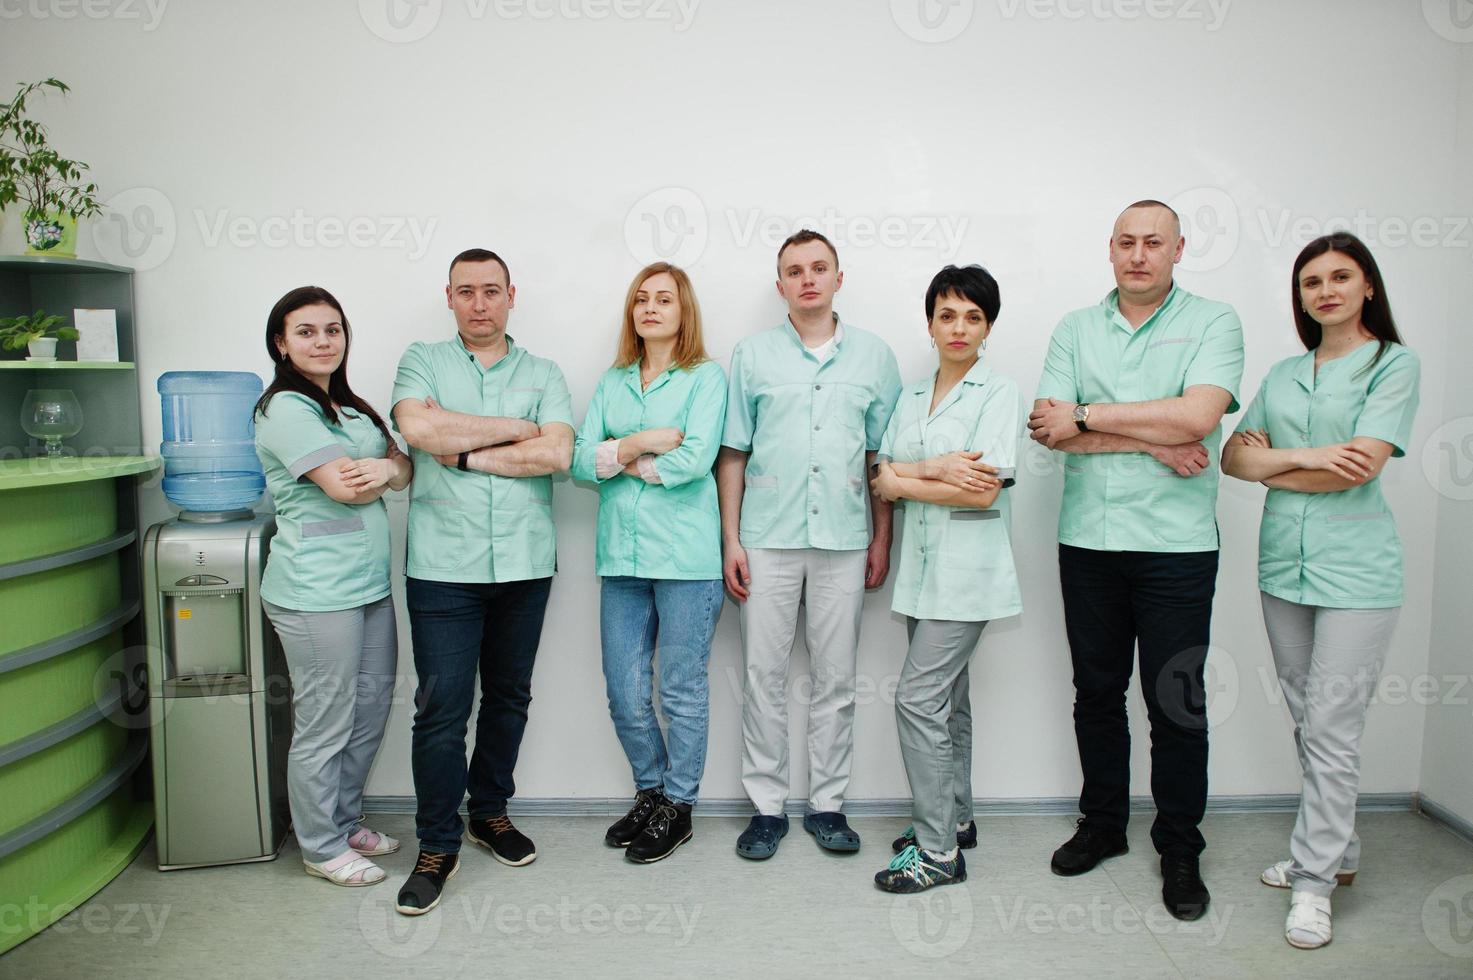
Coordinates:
(933, 712)
(831, 585)
(342, 668)
(1328, 662)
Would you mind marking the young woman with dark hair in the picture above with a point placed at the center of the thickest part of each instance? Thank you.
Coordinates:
(328, 458)
(1317, 434)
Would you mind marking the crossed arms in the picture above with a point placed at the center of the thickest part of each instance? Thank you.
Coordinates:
(1249, 455)
(1170, 430)
(492, 444)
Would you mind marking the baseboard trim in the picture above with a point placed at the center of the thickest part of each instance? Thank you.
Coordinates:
(569, 806)
(1441, 814)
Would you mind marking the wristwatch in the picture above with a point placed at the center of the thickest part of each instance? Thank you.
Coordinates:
(1081, 416)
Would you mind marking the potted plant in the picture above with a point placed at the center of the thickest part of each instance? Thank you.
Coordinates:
(49, 186)
(39, 332)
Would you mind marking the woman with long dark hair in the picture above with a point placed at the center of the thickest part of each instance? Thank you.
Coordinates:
(649, 441)
(328, 458)
(1317, 435)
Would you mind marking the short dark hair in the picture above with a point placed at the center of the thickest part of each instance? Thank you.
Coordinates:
(478, 255)
(970, 282)
(802, 237)
(1153, 203)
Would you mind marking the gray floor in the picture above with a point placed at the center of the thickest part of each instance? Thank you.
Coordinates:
(581, 910)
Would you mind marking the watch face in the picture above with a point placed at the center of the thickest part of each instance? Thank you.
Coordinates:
(1081, 412)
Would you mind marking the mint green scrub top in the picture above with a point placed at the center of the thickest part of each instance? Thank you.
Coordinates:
(806, 427)
(1334, 549)
(670, 529)
(474, 527)
(956, 563)
(326, 555)
(1128, 501)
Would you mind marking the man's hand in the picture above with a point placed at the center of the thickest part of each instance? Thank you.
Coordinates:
(963, 470)
(1053, 424)
(734, 571)
(877, 562)
(1187, 459)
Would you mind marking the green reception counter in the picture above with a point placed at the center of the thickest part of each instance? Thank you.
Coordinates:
(75, 803)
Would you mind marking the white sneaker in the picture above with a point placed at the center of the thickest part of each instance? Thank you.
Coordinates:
(1277, 876)
(1308, 925)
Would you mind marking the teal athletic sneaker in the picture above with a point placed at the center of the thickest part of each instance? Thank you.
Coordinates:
(915, 870)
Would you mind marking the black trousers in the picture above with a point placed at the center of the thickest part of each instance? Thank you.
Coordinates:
(1114, 600)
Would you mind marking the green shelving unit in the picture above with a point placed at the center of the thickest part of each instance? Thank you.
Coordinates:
(73, 715)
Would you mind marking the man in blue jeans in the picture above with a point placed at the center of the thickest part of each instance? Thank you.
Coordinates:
(488, 423)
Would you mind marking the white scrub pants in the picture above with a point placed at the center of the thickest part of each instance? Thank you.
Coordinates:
(831, 585)
(1328, 662)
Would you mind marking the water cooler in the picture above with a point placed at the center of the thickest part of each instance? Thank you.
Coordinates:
(219, 691)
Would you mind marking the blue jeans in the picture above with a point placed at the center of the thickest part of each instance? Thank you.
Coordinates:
(460, 628)
(682, 614)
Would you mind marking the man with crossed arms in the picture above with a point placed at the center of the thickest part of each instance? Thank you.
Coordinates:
(1134, 390)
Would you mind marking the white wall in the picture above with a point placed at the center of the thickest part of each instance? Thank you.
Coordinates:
(579, 147)
(1447, 762)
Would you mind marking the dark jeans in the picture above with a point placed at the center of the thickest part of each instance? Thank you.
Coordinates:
(458, 628)
(1163, 601)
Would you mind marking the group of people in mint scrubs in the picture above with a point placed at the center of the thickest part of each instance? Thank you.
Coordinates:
(774, 483)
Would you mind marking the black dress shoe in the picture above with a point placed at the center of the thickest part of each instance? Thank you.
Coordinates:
(1087, 848)
(1182, 890)
(668, 828)
(623, 832)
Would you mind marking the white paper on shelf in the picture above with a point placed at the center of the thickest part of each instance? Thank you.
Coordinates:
(99, 334)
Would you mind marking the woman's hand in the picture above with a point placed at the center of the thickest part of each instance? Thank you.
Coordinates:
(885, 485)
(1344, 459)
(963, 470)
(1255, 438)
(657, 442)
(369, 473)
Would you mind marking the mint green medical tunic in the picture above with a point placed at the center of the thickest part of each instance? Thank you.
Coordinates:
(807, 427)
(956, 563)
(1128, 501)
(670, 529)
(473, 526)
(326, 555)
(1334, 549)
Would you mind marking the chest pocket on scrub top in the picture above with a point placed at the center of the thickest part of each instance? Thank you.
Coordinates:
(521, 403)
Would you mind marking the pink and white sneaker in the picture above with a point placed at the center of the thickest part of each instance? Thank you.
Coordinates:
(372, 843)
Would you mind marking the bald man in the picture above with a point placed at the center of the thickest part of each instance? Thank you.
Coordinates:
(1134, 390)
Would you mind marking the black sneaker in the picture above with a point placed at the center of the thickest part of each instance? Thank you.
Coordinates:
(506, 843)
(965, 839)
(668, 828)
(1182, 890)
(1087, 848)
(623, 832)
(915, 870)
(422, 891)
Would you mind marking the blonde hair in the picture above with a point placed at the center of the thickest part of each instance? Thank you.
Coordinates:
(690, 349)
